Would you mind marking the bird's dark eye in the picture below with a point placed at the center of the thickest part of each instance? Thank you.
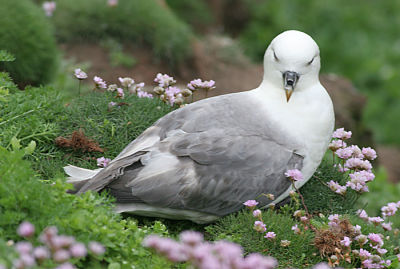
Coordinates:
(310, 62)
(276, 57)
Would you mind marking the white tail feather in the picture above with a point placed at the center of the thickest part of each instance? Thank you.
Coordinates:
(79, 174)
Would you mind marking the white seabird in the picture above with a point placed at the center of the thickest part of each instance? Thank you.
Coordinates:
(202, 161)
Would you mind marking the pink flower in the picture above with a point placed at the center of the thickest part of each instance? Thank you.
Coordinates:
(26, 229)
(344, 153)
(270, 235)
(96, 248)
(164, 80)
(79, 74)
(23, 247)
(143, 94)
(375, 240)
(120, 93)
(362, 239)
(112, 3)
(103, 162)
(358, 164)
(199, 84)
(296, 229)
(41, 253)
(369, 153)
(126, 82)
(61, 241)
(321, 265)
(112, 104)
(357, 229)
(136, 88)
(191, 238)
(387, 226)
(49, 7)
(389, 210)
(336, 187)
(362, 214)
(364, 254)
(78, 250)
(259, 226)
(341, 134)
(250, 203)
(257, 213)
(337, 144)
(346, 242)
(66, 265)
(99, 82)
(61, 255)
(381, 251)
(375, 220)
(334, 220)
(256, 260)
(294, 175)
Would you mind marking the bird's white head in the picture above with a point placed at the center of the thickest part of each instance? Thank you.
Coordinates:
(292, 62)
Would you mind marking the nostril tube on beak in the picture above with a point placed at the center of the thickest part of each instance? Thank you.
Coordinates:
(289, 82)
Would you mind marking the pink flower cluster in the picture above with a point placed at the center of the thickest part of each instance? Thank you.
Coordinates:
(103, 162)
(355, 160)
(259, 225)
(59, 248)
(201, 254)
(100, 83)
(112, 3)
(164, 80)
(377, 221)
(294, 175)
(49, 7)
(199, 84)
(79, 74)
(390, 209)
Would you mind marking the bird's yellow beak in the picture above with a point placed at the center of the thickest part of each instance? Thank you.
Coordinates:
(289, 83)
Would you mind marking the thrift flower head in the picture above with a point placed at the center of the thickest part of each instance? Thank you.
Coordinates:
(49, 7)
(285, 243)
(387, 226)
(41, 253)
(96, 248)
(191, 238)
(99, 82)
(78, 250)
(346, 242)
(112, 88)
(389, 210)
(362, 214)
(257, 213)
(358, 164)
(164, 80)
(66, 265)
(103, 162)
(336, 187)
(199, 84)
(337, 144)
(112, 3)
(375, 220)
(369, 153)
(375, 240)
(120, 93)
(341, 134)
(250, 203)
(61, 255)
(126, 82)
(364, 254)
(26, 229)
(296, 229)
(344, 153)
(294, 175)
(256, 260)
(143, 94)
(111, 104)
(136, 88)
(270, 235)
(259, 226)
(23, 247)
(79, 74)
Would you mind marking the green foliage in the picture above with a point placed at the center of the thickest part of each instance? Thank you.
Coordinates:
(357, 39)
(26, 34)
(46, 204)
(194, 12)
(116, 54)
(239, 229)
(319, 198)
(6, 57)
(139, 21)
(381, 193)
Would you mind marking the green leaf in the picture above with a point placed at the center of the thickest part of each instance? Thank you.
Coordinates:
(114, 265)
(30, 148)
(6, 56)
(15, 143)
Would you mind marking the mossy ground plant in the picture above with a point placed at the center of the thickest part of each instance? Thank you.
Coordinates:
(27, 34)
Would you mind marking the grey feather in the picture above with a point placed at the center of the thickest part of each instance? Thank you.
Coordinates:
(224, 156)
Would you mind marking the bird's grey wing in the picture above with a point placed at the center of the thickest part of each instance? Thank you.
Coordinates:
(215, 173)
(210, 156)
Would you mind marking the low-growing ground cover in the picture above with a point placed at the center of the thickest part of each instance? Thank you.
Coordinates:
(39, 194)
